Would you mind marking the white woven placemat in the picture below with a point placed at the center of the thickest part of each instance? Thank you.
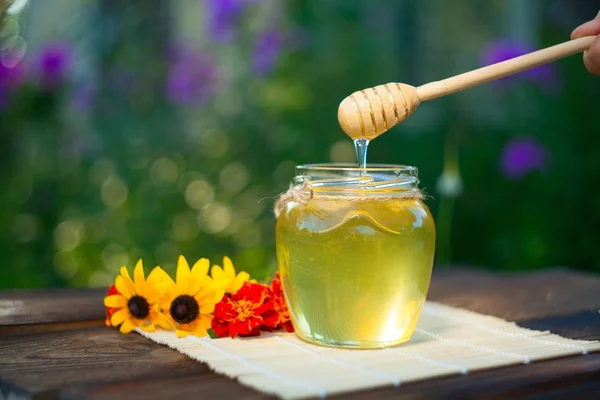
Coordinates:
(447, 341)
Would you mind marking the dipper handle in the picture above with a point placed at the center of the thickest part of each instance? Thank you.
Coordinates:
(502, 69)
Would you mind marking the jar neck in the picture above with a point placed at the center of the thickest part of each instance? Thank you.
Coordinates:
(342, 179)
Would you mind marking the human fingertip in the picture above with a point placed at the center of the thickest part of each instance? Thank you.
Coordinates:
(591, 58)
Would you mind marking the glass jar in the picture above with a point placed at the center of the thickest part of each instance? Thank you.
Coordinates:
(355, 249)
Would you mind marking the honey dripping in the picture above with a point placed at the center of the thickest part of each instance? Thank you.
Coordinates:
(361, 146)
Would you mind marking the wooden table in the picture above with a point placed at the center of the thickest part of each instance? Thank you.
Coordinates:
(53, 344)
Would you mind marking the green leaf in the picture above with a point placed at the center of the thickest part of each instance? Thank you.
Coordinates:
(212, 334)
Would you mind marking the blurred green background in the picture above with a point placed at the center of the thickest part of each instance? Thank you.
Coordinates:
(137, 128)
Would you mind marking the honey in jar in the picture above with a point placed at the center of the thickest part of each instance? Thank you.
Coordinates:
(355, 247)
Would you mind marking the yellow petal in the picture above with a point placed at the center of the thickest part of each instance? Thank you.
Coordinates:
(197, 284)
(149, 293)
(198, 276)
(205, 322)
(127, 279)
(157, 285)
(181, 334)
(127, 326)
(172, 293)
(228, 268)
(115, 301)
(217, 273)
(148, 328)
(161, 321)
(117, 318)
(125, 273)
(164, 324)
(200, 332)
(183, 273)
(158, 276)
(123, 287)
(206, 291)
(207, 306)
(201, 267)
(138, 274)
(234, 285)
(243, 276)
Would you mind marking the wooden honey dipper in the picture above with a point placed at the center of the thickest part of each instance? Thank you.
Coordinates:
(369, 113)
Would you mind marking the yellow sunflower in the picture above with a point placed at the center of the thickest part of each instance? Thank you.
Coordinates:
(225, 278)
(191, 299)
(135, 305)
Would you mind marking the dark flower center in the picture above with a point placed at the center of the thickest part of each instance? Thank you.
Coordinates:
(138, 307)
(184, 309)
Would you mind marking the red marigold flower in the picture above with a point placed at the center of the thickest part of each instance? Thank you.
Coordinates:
(244, 312)
(109, 310)
(280, 306)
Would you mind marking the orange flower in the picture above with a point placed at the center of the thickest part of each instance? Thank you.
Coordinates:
(279, 305)
(110, 310)
(244, 312)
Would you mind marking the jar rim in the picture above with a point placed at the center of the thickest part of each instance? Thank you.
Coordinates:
(348, 167)
(348, 178)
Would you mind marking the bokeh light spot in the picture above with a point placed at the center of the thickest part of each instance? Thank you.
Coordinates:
(234, 177)
(199, 194)
(114, 192)
(94, 230)
(215, 218)
(114, 257)
(65, 264)
(100, 278)
(164, 171)
(67, 235)
(249, 205)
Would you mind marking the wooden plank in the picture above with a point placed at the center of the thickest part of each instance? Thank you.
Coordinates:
(186, 386)
(21, 330)
(86, 360)
(544, 379)
(547, 377)
(517, 297)
(50, 361)
(56, 305)
(520, 382)
(552, 377)
(514, 297)
(584, 325)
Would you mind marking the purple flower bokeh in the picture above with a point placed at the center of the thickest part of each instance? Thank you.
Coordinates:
(502, 50)
(521, 156)
(223, 17)
(10, 78)
(54, 64)
(266, 52)
(192, 77)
